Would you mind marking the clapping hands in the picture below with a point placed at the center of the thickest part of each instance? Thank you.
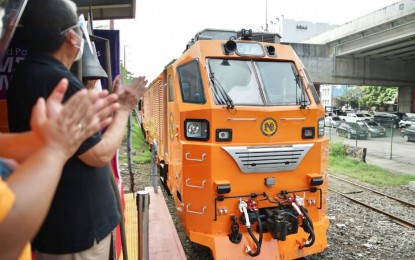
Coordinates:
(129, 95)
(63, 127)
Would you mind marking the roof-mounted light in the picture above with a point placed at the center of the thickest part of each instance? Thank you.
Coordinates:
(246, 34)
(245, 48)
(249, 49)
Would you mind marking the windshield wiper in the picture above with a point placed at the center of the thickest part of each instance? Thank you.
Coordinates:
(298, 83)
(220, 94)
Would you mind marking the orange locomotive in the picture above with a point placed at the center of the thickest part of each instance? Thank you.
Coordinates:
(240, 134)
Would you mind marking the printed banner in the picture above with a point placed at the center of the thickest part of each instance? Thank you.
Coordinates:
(114, 41)
(17, 52)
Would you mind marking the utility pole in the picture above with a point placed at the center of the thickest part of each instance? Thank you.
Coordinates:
(129, 137)
(266, 16)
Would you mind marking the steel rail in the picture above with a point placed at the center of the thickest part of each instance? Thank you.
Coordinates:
(396, 219)
(375, 191)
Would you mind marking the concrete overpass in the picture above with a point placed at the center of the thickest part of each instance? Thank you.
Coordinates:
(377, 49)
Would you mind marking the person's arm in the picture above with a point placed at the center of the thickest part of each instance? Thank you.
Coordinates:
(33, 184)
(20, 145)
(102, 153)
(60, 129)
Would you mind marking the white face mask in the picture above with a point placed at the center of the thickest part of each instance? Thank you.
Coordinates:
(81, 50)
(2, 12)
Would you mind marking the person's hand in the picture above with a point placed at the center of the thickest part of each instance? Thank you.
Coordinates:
(129, 95)
(65, 127)
(103, 104)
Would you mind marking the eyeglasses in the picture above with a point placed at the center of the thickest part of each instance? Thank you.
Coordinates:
(70, 28)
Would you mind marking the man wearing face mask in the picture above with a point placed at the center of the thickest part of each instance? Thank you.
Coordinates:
(81, 49)
(83, 212)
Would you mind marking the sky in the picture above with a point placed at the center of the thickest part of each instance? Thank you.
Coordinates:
(162, 28)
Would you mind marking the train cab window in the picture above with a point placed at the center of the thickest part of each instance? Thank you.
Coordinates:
(170, 84)
(273, 84)
(311, 86)
(282, 84)
(237, 79)
(191, 86)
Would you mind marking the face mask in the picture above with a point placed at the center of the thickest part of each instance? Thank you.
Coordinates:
(2, 12)
(81, 50)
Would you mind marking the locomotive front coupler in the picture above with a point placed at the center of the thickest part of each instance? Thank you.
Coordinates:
(235, 237)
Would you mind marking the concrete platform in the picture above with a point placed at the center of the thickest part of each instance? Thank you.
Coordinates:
(164, 242)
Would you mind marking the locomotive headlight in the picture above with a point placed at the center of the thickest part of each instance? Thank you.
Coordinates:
(321, 127)
(249, 49)
(193, 128)
(196, 129)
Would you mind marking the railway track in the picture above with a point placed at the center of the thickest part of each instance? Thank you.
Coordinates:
(377, 201)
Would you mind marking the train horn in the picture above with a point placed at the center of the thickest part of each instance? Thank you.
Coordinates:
(230, 47)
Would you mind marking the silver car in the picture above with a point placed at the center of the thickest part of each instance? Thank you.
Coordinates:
(332, 121)
(407, 122)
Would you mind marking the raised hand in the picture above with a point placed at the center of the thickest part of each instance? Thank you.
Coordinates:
(129, 95)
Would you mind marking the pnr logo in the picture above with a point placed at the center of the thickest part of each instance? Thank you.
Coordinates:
(269, 126)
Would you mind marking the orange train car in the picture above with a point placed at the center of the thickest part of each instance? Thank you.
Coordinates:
(240, 134)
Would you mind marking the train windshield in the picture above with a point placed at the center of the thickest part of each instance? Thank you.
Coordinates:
(256, 83)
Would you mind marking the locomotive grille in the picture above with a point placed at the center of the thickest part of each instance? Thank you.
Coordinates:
(268, 158)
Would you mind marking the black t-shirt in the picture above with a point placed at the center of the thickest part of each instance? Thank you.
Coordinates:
(84, 206)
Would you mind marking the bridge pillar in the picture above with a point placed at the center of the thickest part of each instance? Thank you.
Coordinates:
(406, 99)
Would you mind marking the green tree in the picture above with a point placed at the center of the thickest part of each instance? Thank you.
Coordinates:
(376, 96)
(365, 97)
(350, 97)
(127, 76)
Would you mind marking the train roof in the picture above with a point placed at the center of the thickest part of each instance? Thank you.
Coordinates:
(221, 34)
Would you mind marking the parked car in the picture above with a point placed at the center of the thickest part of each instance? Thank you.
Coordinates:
(368, 116)
(401, 115)
(332, 121)
(408, 133)
(374, 128)
(407, 122)
(386, 119)
(352, 130)
(354, 117)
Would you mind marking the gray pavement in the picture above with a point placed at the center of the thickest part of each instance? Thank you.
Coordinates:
(392, 165)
